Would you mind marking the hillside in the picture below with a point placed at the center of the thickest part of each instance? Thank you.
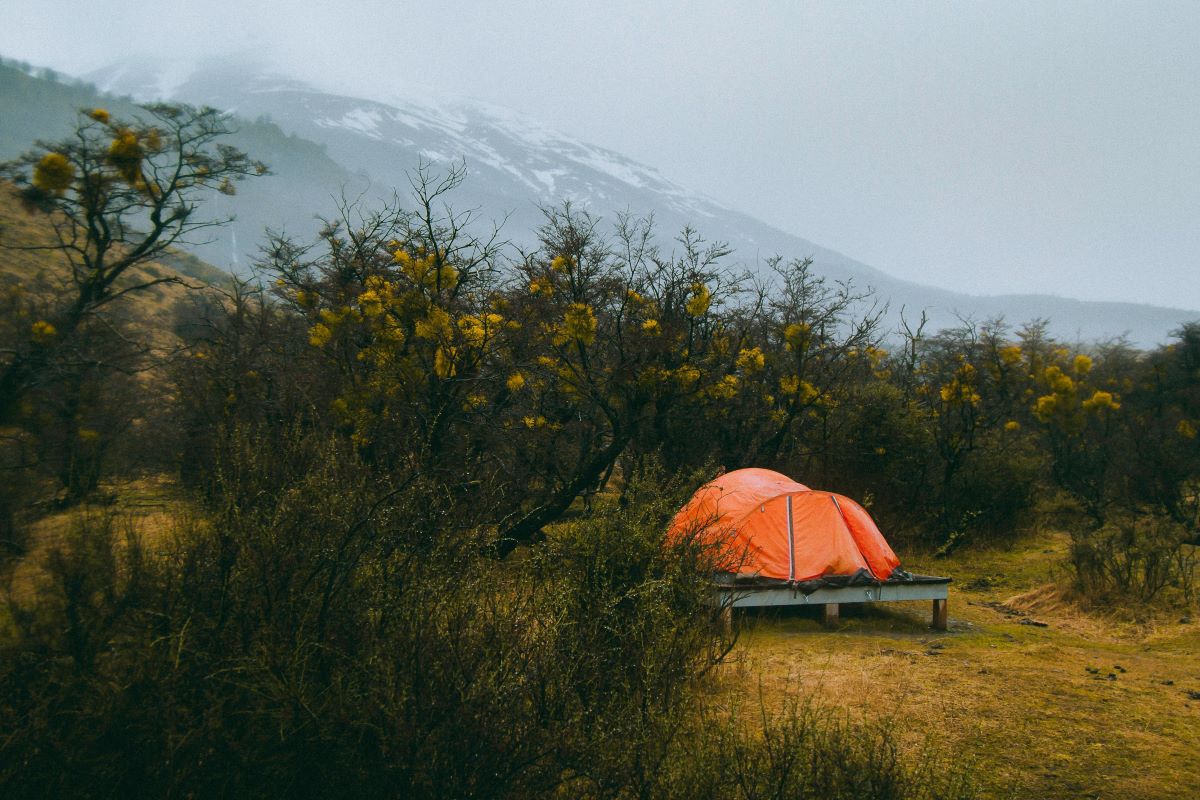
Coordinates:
(323, 146)
(45, 272)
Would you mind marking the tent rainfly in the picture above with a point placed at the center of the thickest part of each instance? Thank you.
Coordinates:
(778, 539)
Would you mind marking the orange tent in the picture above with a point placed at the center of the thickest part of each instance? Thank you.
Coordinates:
(770, 527)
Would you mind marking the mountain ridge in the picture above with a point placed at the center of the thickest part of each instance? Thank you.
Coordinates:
(516, 165)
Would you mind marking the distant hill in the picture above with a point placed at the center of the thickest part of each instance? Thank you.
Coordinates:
(321, 146)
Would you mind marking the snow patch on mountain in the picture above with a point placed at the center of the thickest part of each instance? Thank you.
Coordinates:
(360, 120)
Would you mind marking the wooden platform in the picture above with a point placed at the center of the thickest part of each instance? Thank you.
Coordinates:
(832, 598)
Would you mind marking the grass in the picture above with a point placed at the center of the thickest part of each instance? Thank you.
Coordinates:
(150, 505)
(1092, 705)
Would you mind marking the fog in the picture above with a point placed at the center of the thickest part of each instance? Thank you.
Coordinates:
(1007, 147)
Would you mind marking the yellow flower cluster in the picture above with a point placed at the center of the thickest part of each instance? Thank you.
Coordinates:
(435, 326)
(750, 361)
(423, 270)
(43, 331)
(579, 323)
(1058, 381)
(724, 389)
(473, 330)
(100, 115)
(319, 334)
(1101, 401)
(1010, 355)
(797, 336)
(53, 173)
(876, 355)
(478, 330)
(701, 299)
(125, 154)
(792, 385)
(686, 375)
(961, 388)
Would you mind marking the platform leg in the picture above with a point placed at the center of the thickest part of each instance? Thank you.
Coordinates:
(830, 616)
(727, 619)
(939, 615)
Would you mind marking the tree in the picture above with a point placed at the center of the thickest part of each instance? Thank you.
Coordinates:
(116, 194)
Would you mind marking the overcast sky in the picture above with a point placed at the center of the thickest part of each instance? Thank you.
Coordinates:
(1001, 147)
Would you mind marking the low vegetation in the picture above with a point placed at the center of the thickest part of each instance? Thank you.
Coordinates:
(425, 480)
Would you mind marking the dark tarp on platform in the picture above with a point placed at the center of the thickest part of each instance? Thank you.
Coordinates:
(860, 578)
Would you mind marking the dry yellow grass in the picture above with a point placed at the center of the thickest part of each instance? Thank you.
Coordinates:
(149, 506)
(1034, 708)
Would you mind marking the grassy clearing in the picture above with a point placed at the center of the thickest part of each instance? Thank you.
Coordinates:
(1088, 706)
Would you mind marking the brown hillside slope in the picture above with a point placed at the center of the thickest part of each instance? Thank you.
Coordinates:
(45, 273)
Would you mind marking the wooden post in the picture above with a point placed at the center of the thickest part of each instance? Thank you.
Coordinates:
(727, 619)
(939, 615)
(831, 614)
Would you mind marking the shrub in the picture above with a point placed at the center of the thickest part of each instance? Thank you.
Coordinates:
(313, 635)
(1133, 555)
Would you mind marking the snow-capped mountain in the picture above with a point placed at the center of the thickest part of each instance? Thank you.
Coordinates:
(514, 165)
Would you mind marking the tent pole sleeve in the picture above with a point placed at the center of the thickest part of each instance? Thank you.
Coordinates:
(791, 542)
